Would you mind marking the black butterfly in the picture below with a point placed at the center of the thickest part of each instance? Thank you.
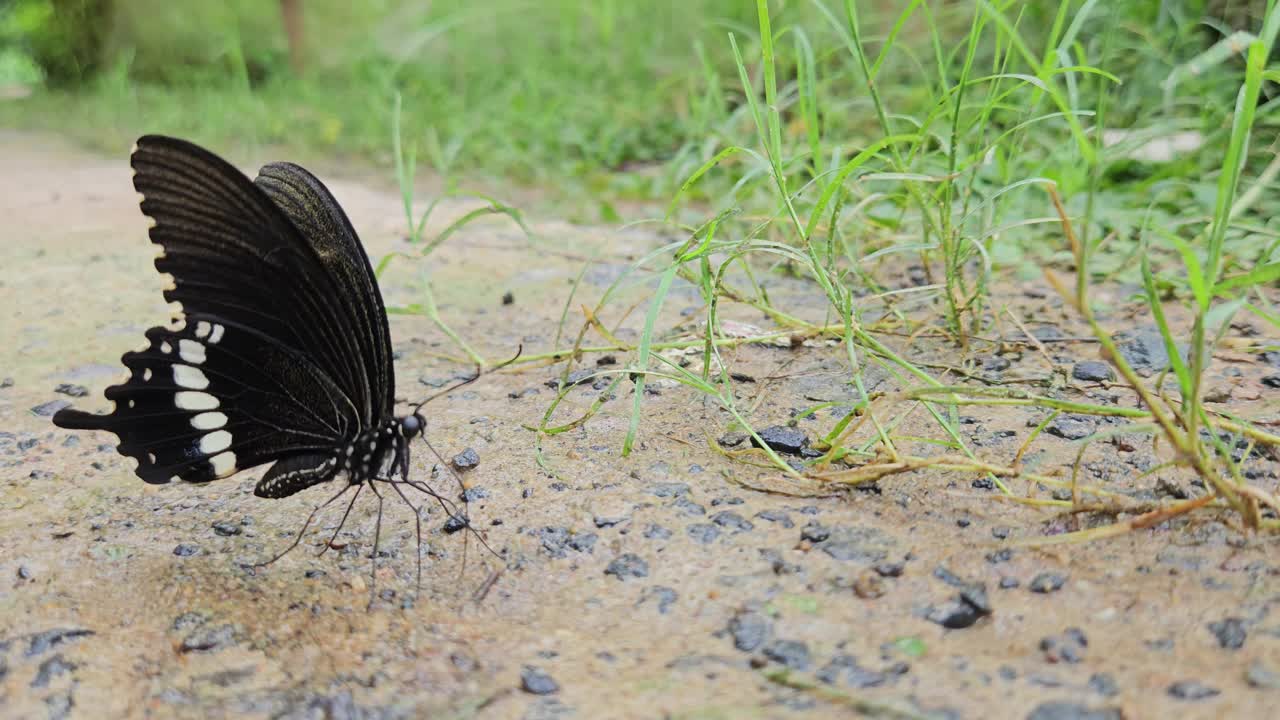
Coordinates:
(280, 352)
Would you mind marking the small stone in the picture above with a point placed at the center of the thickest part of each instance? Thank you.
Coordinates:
(749, 630)
(1271, 381)
(1066, 648)
(735, 439)
(186, 549)
(608, 521)
(537, 682)
(582, 542)
(1192, 690)
(627, 565)
(784, 439)
(955, 614)
(466, 460)
(1071, 427)
(1104, 684)
(25, 572)
(1066, 710)
(995, 363)
(664, 596)
(669, 489)
(1047, 582)
(70, 390)
(1093, 371)
(43, 642)
(792, 654)
(577, 377)
(1218, 394)
(508, 298)
(49, 408)
(732, 521)
(869, 586)
(653, 531)
(226, 528)
(705, 533)
(853, 551)
(209, 639)
(776, 516)
(815, 533)
(1008, 582)
(1230, 632)
(890, 569)
(1261, 677)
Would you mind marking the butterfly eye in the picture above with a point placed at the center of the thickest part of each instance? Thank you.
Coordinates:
(412, 424)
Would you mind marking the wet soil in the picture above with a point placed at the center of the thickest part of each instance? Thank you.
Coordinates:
(656, 585)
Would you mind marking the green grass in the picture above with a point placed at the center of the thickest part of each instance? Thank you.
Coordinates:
(824, 140)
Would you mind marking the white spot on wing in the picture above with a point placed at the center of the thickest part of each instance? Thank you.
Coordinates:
(189, 377)
(217, 334)
(202, 329)
(223, 464)
(187, 400)
(208, 421)
(216, 441)
(191, 351)
(165, 347)
(146, 374)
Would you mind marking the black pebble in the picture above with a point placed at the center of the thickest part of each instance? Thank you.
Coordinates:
(466, 459)
(1071, 427)
(628, 565)
(537, 682)
(1271, 381)
(815, 532)
(226, 528)
(1230, 632)
(454, 524)
(749, 630)
(186, 549)
(43, 642)
(784, 439)
(732, 439)
(776, 516)
(669, 489)
(1047, 582)
(1092, 371)
(955, 614)
(508, 298)
(1192, 690)
(72, 390)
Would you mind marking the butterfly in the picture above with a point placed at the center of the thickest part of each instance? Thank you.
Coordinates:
(279, 351)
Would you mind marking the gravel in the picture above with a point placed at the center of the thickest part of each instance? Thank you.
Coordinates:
(536, 682)
(465, 460)
(784, 439)
(1192, 690)
(627, 565)
(749, 630)
(1093, 371)
(792, 654)
(1230, 633)
(1047, 582)
(1065, 710)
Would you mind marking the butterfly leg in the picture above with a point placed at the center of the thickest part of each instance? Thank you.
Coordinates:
(377, 536)
(298, 538)
(342, 522)
(417, 518)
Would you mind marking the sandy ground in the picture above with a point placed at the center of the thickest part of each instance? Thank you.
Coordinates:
(653, 586)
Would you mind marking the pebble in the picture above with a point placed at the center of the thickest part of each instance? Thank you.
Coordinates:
(43, 642)
(226, 528)
(627, 565)
(466, 460)
(664, 596)
(1069, 647)
(690, 507)
(869, 586)
(749, 630)
(729, 440)
(784, 439)
(954, 614)
(1071, 427)
(1261, 677)
(732, 521)
(1192, 690)
(776, 516)
(815, 532)
(1271, 381)
(209, 639)
(1047, 582)
(1104, 684)
(577, 377)
(1093, 371)
(792, 654)
(453, 524)
(890, 569)
(653, 531)
(1144, 349)
(845, 667)
(669, 489)
(537, 682)
(186, 549)
(1230, 633)
(1066, 710)
(49, 408)
(70, 390)
(705, 533)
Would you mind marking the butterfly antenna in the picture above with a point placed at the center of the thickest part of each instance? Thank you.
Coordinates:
(342, 522)
(377, 536)
(298, 538)
(466, 517)
(417, 517)
(478, 374)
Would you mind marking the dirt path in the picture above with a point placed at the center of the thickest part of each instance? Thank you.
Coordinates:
(651, 586)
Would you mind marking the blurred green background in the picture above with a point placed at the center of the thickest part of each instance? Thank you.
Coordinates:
(601, 101)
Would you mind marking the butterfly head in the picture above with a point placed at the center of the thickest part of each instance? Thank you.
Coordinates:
(413, 425)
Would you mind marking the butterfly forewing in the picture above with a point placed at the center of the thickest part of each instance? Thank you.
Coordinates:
(281, 351)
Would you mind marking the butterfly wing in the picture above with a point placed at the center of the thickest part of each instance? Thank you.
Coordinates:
(265, 360)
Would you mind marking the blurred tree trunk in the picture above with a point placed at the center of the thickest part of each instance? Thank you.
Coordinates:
(293, 28)
(69, 48)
